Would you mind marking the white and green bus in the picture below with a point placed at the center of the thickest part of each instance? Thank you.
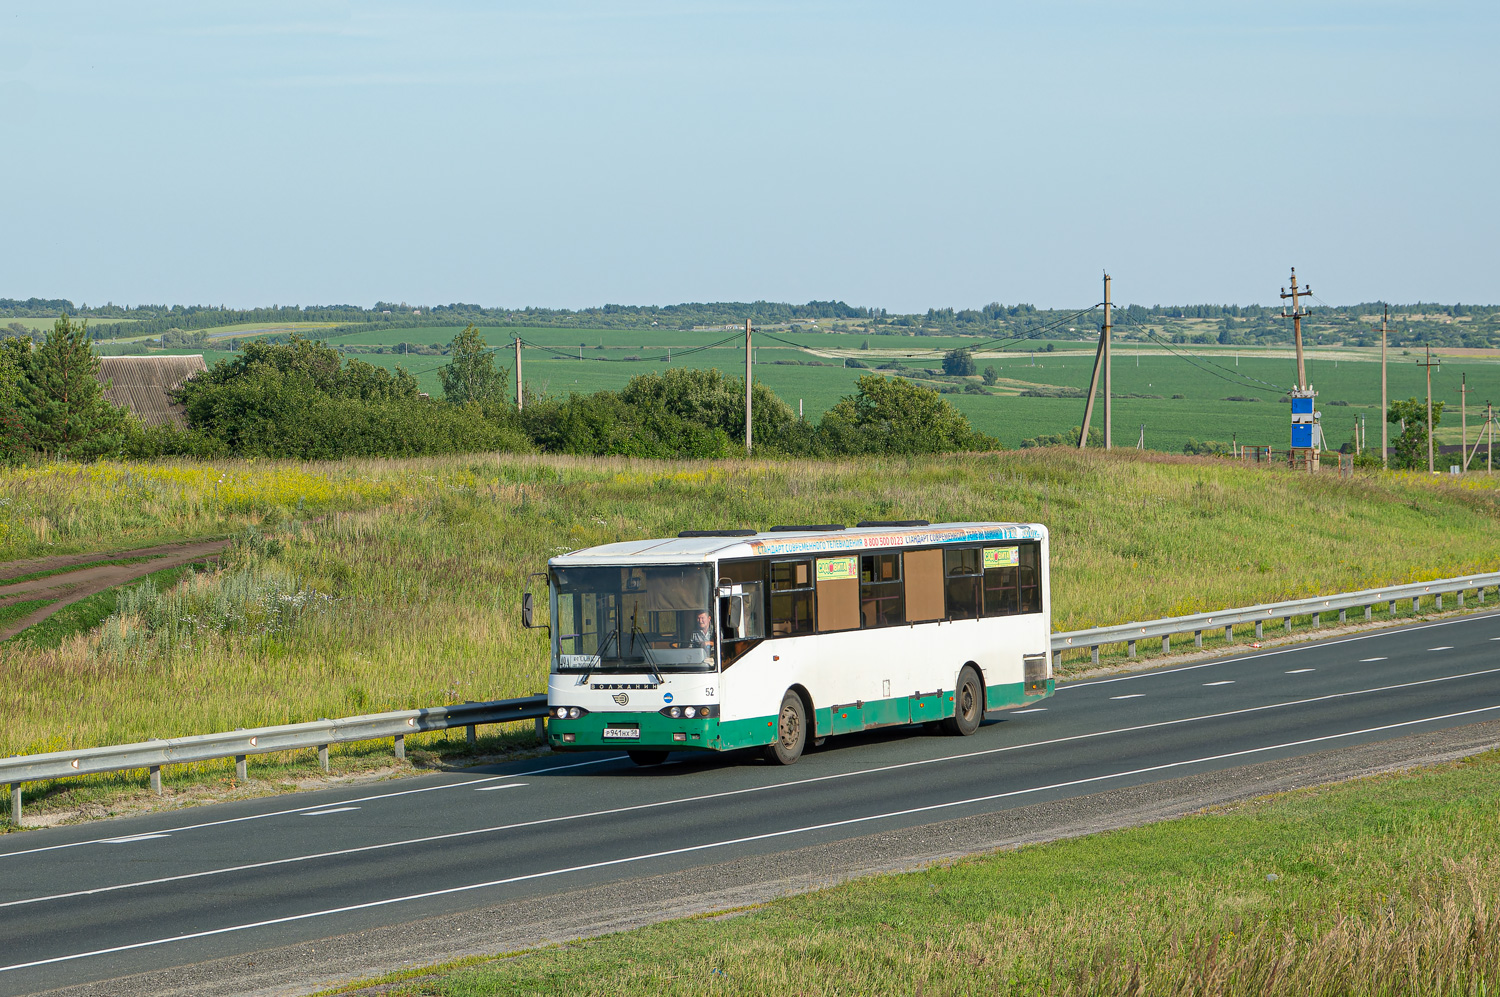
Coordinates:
(719, 640)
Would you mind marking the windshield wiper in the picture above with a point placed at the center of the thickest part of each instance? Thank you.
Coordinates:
(646, 647)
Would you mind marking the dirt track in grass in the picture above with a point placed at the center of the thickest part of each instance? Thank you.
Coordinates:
(69, 587)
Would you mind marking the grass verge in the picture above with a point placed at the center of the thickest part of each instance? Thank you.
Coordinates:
(20, 610)
(1385, 885)
(87, 613)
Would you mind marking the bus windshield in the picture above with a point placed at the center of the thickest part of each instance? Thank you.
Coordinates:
(635, 618)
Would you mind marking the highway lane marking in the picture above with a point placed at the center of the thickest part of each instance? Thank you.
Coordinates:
(749, 839)
(1064, 687)
(490, 789)
(520, 825)
(1034, 709)
(1365, 661)
(1301, 671)
(297, 810)
(133, 838)
(1445, 647)
(1220, 682)
(331, 810)
(1130, 695)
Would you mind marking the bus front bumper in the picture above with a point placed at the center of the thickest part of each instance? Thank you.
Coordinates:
(631, 731)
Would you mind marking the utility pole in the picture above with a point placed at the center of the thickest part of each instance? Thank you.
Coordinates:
(519, 396)
(1431, 464)
(1463, 408)
(1384, 422)
(1108, 390)
(747, 387)
(1296, 315)
(1489, 456)
(1100, 355)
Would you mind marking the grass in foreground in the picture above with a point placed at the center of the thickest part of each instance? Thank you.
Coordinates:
(1381, 886)
(373, 585)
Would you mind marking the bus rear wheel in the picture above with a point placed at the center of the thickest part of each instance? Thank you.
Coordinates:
(647, 757)
(791, 731)
(968, 704)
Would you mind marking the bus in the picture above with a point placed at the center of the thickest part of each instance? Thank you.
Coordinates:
(776, 640)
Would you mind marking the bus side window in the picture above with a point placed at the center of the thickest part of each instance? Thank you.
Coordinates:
(791, 598)
(1001, 581)
(962, 577)
(882, 601)
(1030, 578)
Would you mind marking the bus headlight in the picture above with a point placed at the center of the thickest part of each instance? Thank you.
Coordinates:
(690, 712)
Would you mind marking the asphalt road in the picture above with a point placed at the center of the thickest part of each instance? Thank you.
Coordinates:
(98, 902)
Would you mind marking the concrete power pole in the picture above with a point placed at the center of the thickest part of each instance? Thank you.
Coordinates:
(520, 399)
(1101, 360)
(1385, 462)
(1431, 464)
(748, 356)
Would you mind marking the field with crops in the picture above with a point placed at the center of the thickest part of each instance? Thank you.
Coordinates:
(368, 585)
(1177, 393)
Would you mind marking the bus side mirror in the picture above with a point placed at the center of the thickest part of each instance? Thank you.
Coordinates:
(528, 611)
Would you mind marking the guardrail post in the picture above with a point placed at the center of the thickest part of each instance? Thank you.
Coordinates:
(156, 779)
(1130, 652)
(1197, 638)
(323, 757)
(1343, 616)
(1166, 643)
(1479, 592)
(1258, 632)
(1460, 598)
(15, 803)
(1317, 620)
(1094, 651)
(400, 746)
(471, 735)
(1390, 607)
(240, 771)
(1369, 613)
(1056, 661)
(541, 728)
(1287, 621)
(1437, 602)
(1229, 634)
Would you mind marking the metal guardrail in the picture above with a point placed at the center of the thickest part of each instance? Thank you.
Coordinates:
(238, 744)
(1228, 619)
(319, 734)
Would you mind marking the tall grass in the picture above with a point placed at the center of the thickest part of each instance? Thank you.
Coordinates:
(1385, 886)
(368, 585)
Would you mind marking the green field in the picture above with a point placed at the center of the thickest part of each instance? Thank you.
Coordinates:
(1204, 378)
(1383, 886)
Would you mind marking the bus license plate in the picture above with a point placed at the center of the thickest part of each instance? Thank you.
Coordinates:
(623, 733)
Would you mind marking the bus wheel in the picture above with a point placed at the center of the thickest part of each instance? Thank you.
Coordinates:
(968, 704)
(647, 757)
(791, 728)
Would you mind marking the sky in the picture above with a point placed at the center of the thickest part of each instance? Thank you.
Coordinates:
(900, 156)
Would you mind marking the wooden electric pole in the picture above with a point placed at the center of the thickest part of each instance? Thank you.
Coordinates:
(520, 398)
(1463, 409)
(1431, 464)
(1296, 315)
(747, 388)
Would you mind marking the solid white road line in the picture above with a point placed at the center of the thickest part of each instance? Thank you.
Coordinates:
(547, 874)
(134, 837)
(509, 785)
(331, 810)
(467, 783)
(1297, 649)
(541, 821)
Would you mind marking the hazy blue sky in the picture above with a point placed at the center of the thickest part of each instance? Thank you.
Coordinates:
(893, 155)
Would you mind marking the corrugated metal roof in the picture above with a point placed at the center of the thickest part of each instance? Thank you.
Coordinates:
(141, 384)
(678, 550)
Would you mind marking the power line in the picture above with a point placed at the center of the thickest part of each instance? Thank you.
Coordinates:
(1231, 376)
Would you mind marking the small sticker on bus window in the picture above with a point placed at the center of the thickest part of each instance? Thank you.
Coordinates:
(1001, 557)
(835, 569)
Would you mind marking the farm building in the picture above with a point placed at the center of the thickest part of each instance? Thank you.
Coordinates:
(141, 384)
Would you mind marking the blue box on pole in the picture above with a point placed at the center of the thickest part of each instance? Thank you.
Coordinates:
(1302, 406)
(1302, 434)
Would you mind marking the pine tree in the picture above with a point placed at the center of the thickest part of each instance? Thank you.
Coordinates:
(62, 405)
(13, 352)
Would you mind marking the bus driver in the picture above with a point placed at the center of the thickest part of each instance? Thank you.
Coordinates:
(704, 636)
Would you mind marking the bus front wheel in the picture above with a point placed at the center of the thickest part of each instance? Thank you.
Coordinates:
(647, 757)
(791, 731)
(968, 704)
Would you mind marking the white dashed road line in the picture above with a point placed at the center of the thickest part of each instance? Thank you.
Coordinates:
(1130, 695)
(331, 810)
(1220, 682)
(1301, 671)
